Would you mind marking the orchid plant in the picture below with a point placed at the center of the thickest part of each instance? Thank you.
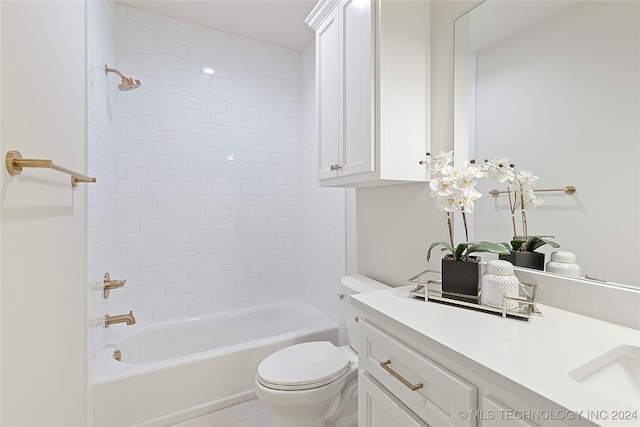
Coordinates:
(455, 191)
(521, 198)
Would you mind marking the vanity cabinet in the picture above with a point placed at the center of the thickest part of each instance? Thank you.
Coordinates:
(372, 91)
(407, 382)
(428, 390)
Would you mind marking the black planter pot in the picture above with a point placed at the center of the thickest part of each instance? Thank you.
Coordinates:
(533, 260)
(461, 277)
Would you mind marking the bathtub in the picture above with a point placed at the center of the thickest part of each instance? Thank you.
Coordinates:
(174, 371)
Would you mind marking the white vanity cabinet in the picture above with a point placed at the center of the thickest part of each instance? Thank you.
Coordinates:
(372, 90)
(401, 385)
(423, 363)
(427, 390)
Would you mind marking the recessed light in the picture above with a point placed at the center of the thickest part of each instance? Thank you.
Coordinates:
(208, 70)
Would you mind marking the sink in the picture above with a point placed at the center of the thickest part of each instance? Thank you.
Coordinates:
(616, 374)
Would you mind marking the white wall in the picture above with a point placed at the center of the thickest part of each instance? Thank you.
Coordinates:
(396, 224)
(43, 218)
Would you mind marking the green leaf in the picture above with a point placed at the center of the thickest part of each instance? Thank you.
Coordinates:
(494, 248)
(533, 243)
(460, 249)
(506, 245)
(516, 244)
(446, 245)
(463, 250)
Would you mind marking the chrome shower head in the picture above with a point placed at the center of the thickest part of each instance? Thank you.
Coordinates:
(127, 82)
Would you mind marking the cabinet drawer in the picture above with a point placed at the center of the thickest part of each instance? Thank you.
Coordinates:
(377, 407)
(435, 394)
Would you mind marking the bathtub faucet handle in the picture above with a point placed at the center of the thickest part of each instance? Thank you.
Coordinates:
(108, 284)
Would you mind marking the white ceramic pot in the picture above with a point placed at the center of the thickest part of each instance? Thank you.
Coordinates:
(499, 281)
(563, 263)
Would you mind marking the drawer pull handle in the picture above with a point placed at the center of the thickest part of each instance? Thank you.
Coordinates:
(412, 387)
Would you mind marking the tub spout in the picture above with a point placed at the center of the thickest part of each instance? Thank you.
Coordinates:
(123, 318)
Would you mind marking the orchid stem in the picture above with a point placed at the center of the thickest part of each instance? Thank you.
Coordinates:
(450, 228)
(513, 217)
(464, 221)
(524, 222)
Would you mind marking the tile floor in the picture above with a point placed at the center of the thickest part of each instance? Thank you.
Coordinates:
(252, 413)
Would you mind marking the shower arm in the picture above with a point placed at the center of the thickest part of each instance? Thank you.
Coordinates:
(108, 70)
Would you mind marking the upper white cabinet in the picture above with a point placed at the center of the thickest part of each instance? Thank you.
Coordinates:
(372, 90)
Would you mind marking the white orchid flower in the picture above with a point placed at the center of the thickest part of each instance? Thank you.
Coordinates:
(466, 199)
(473, 169)
(464, 180)
(533, 204)
(448, 203)
(500, 170)
(526, 179)
(435, 163)
(440, 187)
(530, 201)
(449, 172)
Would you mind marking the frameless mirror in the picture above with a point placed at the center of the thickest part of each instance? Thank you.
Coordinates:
(554, 86)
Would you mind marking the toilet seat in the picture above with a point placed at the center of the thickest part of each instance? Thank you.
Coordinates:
(303, 366)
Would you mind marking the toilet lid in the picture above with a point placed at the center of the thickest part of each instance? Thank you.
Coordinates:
(303, 366)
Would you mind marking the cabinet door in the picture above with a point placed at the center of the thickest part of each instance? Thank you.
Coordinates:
(329, 94)
(378, 408)
(358, 90)
(497, 414)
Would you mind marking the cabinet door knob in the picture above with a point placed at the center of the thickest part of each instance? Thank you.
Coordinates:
(336, 167)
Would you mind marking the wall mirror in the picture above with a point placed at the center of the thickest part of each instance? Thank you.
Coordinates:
(554, 86)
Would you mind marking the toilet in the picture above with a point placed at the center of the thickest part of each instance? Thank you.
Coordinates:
(314, 384)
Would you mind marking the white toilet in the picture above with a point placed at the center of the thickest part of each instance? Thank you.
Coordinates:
(313, 384)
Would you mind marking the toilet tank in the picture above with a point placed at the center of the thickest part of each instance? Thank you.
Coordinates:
(352, 285)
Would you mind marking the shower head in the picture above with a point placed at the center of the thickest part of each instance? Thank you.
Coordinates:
(127, 82)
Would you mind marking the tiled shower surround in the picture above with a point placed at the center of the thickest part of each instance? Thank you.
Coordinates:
(217, 205)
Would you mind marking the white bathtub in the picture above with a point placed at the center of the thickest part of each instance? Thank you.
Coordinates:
(178, 370)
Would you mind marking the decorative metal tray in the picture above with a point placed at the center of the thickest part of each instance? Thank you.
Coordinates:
(429, 286)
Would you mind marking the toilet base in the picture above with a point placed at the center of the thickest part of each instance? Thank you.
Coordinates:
(314, 414)
(331, 405)
(301, 408)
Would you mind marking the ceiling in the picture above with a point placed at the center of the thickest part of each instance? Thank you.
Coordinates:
(280, 22)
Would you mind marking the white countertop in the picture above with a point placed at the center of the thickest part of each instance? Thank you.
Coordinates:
(538, 354)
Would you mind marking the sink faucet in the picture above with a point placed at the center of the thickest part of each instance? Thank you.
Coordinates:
(123, 318)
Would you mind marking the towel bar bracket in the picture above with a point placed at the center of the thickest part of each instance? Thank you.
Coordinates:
(13, 168)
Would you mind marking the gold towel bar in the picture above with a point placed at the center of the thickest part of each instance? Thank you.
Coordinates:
(569, 189)
(15, 163)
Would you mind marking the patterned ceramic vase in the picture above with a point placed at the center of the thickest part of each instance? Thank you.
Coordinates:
(563, 263)
(497, 281)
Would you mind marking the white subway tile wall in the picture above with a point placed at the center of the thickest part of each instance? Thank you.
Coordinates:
(217, 202)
